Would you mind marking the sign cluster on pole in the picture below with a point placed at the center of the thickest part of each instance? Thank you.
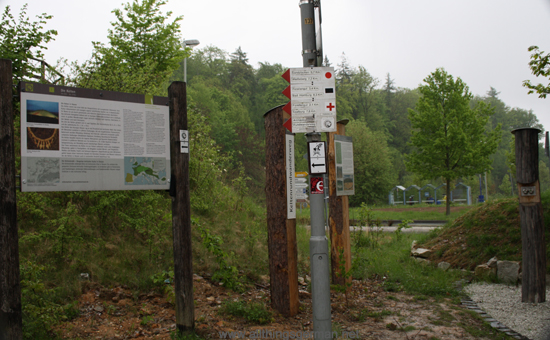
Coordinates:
(312, 105)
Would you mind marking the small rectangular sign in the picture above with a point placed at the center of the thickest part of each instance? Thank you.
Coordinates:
(184, 136)
(316, 185)
(290, 177)
(317, 158)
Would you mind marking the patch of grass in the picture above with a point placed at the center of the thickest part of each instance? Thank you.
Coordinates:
(476, 327)
(392, 261)
(253, 312)
(488, 230)
(408, 212)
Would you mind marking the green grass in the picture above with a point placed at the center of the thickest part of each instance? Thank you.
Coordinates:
(394, 213)
(253, 312)
(488, 230)
(391, 262)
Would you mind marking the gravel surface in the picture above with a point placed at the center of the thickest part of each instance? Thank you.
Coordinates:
(504, 304)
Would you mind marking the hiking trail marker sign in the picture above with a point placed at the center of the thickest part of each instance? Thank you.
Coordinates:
(312, 106)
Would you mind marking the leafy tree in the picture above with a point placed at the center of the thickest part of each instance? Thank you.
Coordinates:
(540, 67)
(449, 137)
(144, 50)
(21, 41)
(374, 175)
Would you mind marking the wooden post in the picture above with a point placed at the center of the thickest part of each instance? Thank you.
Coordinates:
(283, 256)
(11, 326)
(338, 215)
(181, 210)
(533, 246)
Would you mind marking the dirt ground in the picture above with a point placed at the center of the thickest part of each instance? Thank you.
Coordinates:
(371, 313)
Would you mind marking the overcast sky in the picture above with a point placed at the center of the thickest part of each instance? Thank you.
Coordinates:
(484, 42)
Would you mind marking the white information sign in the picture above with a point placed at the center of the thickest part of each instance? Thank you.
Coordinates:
(317, 158)
(290, 183)
(345, 181)
(75, 139)
(313, 99)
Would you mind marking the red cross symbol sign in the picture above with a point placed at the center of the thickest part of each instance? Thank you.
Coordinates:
(330, 106)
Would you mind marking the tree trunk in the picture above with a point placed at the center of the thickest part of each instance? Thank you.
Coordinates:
(10, 288)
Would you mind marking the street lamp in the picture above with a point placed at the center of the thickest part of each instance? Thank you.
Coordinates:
(190, 42)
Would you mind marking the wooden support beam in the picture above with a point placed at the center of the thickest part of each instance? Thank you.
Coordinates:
(181, 211)
(533, 246)
(338, 216)
(283, 257)
(11, 327)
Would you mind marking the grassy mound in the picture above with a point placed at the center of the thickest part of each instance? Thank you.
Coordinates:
(492, 229)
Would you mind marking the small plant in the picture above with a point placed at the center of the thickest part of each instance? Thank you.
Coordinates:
(251, 311)
(226, 274)
(146, 320)
(403, 225)
(345, 275)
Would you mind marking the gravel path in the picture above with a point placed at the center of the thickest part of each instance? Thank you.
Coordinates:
(503, 303)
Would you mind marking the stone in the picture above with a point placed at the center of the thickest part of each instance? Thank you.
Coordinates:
(421, 252)
(492, 263)
(444, 265)
(421, 260)
(413, 245)
(508, 271)
(484, 270)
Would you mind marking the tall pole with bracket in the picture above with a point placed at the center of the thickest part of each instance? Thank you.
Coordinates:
(318, 243)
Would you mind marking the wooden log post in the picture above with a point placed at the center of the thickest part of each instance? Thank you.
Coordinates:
(533, 246)
(338, 216)
(11, 327)
(283, 256)
(181, 210)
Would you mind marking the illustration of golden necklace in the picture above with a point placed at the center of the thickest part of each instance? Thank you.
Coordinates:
(42, 143)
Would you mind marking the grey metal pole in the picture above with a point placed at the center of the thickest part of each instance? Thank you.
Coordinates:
(319, 262)
(318, 243)
(309, 45)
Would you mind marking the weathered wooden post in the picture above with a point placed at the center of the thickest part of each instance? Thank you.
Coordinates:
(181, 208)
(338, 215)
(283, 256)
(533, 287)
(11, 327)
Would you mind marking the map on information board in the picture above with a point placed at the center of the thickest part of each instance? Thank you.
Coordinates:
(144, 171)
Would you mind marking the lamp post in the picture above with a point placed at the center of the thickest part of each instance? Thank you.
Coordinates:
(190, 42)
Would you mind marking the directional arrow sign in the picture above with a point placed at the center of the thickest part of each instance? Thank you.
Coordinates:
(317, 158)
(312, 99)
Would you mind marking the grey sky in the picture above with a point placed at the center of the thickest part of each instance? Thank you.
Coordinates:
(484, 42)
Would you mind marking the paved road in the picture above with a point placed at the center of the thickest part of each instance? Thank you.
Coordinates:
(415, 228)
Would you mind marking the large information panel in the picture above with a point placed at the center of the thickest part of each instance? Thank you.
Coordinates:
(75, 139)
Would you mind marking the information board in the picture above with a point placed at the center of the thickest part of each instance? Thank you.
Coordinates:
(345, 180)
(75, 139)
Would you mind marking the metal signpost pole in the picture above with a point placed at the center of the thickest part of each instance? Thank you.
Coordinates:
(318, 243)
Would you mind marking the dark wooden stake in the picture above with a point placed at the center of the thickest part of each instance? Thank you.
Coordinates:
(338, 216)
(11, 327)
(181, 211)
(283, 257)
(533, 246)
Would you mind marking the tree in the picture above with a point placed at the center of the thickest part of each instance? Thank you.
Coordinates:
(143, 51)
(450, 138)
(374, 175)
(21, 41)
(540, 66)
